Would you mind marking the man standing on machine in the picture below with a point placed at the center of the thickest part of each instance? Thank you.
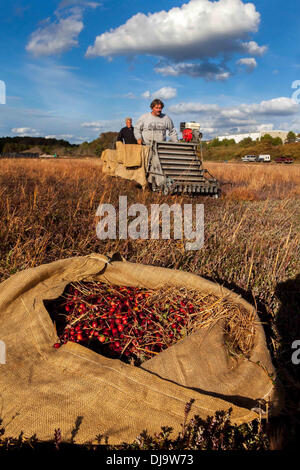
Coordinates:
(153, 126)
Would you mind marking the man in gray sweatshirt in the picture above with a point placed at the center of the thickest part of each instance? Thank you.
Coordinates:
(153, 126)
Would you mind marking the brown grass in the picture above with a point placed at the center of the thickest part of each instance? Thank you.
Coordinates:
(47, 212)
(257, 181)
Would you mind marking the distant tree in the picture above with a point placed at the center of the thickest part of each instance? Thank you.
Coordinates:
(109, 138)
(215, 143)
(106, 140)
(291, 137)
(19, 144)
(227, 142)
(246, 142)
(267, 138)
(277, 141)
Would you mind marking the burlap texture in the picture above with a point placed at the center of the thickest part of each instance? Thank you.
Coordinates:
(120, 151)
(43, 388)
(108, 158)
(127, 161)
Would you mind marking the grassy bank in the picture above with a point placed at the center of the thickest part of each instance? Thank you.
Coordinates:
(237, 151)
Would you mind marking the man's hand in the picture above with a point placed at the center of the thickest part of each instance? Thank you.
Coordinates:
(139, 141)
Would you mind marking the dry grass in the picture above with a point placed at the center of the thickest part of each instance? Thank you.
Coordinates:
(257, 181)
(47, 212)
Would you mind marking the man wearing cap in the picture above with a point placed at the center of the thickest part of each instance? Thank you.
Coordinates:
(126, 134)
(153, 126)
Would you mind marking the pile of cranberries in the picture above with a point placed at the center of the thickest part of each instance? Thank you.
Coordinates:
(128, 323)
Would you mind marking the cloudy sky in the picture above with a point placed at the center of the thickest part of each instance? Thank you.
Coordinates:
(73, 69)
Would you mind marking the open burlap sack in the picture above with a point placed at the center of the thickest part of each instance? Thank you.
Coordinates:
(43, 388)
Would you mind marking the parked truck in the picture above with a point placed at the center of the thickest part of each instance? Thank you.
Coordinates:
(264, 158)
(255, 158)
(249, 158)
(284, 159)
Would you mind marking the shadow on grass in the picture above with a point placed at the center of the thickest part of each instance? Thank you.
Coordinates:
(288, 326)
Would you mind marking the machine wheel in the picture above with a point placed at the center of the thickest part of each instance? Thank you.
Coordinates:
(217, 195)
(165, 190)
(153, 186)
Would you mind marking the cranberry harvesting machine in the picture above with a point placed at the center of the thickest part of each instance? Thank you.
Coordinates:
(176, 167)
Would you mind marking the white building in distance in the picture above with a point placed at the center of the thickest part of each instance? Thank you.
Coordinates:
(254, 135)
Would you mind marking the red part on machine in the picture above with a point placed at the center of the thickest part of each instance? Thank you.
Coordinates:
(187, 134)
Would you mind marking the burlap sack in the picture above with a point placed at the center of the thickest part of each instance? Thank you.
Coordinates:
(43, 388)
(120, 150)
(108, 157)
(128, 162)
(133, 155)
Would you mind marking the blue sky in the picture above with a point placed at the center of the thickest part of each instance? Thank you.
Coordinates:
(73, 69)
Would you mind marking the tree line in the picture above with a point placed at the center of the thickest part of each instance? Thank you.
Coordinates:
(267, 139)
(20, 144)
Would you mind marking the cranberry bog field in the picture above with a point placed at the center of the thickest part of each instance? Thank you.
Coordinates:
(251, 245)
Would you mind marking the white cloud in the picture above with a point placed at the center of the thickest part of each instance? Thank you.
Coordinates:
(22, 131)
(182, 108)
(197, 29)
(237, 119)
(62, 34)
(249, 62)
(97, 125)
(265, 127)
(84, 3)
(57, 37)
(253, 48)
(165, 93)
(206, 70)
(102, 125)
(60, 136)
(146, 94)
(208, 130)
(276, 106)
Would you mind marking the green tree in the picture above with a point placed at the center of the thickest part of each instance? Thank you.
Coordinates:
(215, 143)
(267, 138)
(246, 142)
(277, 141)
(291, 137)
(227, 142)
